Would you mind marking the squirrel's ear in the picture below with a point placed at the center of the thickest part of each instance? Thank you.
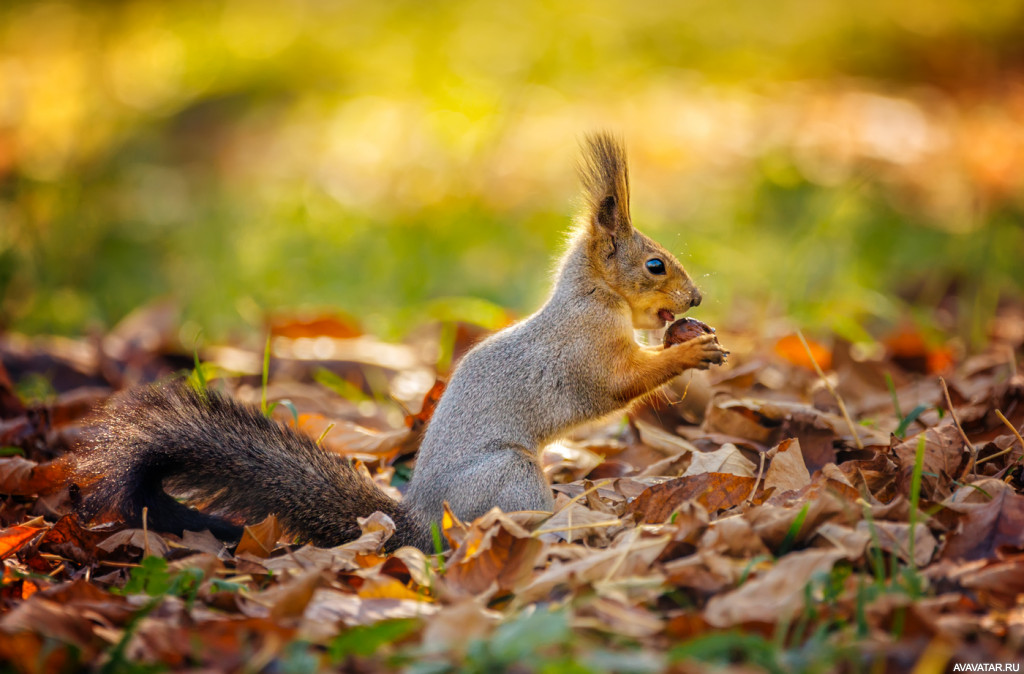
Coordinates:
(605, 179)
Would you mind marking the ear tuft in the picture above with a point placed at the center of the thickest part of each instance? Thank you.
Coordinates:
(607, 213)
(605, 178)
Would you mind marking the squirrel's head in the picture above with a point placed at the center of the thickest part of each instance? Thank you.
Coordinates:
(648, 277)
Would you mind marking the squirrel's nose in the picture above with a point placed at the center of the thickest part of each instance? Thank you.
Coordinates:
(695, 298)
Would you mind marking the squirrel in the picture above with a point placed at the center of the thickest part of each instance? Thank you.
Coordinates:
(573, 361)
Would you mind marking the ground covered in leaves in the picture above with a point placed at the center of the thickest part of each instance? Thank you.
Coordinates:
(812, 506)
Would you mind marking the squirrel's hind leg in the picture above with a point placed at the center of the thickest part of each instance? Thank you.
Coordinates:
(506, 476)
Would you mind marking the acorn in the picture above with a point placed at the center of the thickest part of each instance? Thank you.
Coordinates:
(686, 329)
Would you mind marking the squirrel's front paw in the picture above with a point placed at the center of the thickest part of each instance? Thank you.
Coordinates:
(701, 352)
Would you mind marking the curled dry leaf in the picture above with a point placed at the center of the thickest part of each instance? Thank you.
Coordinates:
(494, 551)
(259, 540)
(726, 459)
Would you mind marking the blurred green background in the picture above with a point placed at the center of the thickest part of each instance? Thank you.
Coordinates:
(843, 164)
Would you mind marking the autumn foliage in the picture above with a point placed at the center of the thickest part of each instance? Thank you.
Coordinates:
(745, 520)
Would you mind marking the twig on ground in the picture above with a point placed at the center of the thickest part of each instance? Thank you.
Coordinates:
(832, 390)
(974, 452)
(1008, 449)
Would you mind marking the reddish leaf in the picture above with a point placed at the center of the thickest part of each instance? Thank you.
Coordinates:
(260, 539)
(13, 538)
(22, 477)
(419, 420)
(714, 491)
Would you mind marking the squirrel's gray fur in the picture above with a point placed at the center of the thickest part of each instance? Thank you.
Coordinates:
(572, 361)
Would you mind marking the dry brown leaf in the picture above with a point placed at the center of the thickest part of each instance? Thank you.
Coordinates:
(894, 537)
(68, 539)
(204, 541)
(733, 536)
(666, 443)
(631, 555)
(774, 595)
(289, 598)
(493, 551)
(577, 522)
(985, 528)
(741, 419)
(454, 627)
(817, 438)
(714, 491)
(330, 606)
(726, 459)
(21, 477)
(705, 573)
(146, 541)
(787, 471)
(566, 461)
(1002, 580)
(259, 540)
(944, 459)
(852, 541)
(773, 521)
(620, 618)
(385, 587)
(350, 439)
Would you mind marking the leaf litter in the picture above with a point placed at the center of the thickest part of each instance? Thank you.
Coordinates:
(759, 530)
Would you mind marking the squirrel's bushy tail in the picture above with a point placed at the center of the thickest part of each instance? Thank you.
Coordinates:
(226, 457)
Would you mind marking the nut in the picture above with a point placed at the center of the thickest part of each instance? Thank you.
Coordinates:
(686, 329)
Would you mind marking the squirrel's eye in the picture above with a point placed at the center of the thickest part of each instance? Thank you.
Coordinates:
(656, 266)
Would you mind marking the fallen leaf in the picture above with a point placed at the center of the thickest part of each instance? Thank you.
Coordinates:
(147, 541)
(988, 527)
(290, 598)
(259, 540)
(631, 555)
(493, 550)
(330, 606)
(775, 595)
(12, 538)
(726, 459)
(944, 459)
(792, 350)
(787, 471)
(714, 491)
(741, 419)
(68, 539)
(894, 537)
(21, 477)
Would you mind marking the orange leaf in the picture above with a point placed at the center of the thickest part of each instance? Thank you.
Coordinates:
(337, 327)
(13, 538)
(792, 350)
(430, 400)
(260, 539)
(21, 477)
